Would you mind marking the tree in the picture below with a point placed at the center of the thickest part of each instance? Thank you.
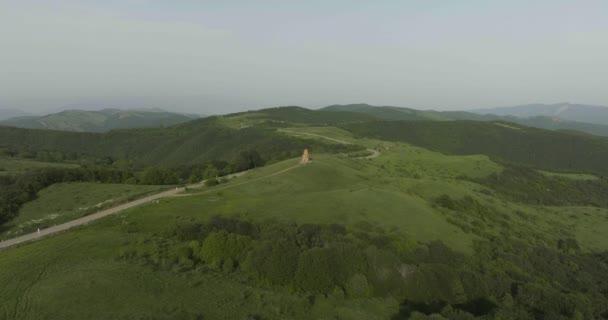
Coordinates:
(158, 176)
(248, 160)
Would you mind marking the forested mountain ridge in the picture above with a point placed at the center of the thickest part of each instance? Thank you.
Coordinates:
(184, 144)
(566, 111)
(535, 120)
(99, 121)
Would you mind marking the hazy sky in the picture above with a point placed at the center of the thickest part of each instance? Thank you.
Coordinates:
(220, 56)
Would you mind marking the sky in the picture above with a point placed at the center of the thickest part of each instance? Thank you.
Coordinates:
(214, 57)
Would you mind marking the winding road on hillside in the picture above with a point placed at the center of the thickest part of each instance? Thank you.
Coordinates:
(104, 213)
(375, 153)
(177, 192)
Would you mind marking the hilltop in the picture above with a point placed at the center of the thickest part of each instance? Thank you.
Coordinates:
(99, 121)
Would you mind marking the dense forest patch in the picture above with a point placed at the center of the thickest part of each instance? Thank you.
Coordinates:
(530, 186)
(505, 278)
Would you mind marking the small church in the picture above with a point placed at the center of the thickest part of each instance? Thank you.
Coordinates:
(305, 157)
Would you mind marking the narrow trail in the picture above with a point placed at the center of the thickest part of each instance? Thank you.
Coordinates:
(316, 135)
(177, 192)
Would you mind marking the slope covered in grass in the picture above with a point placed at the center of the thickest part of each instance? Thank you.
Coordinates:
(195, 256)
(553, 151)
(67, 201)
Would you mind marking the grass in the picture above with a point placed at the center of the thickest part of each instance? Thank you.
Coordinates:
(394, 191)
(12, 166)
(67, 201)
(97, 286)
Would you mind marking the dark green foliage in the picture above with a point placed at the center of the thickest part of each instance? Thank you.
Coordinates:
(221, 246)
(274, 262)
(549, 150)
(505, 277)
(434, 283)
(529, 186)
(249, 159)
(158, 176)
(192, 143)
(314, 271)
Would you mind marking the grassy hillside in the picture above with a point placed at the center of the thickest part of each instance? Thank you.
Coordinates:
(67, 201)
(194, 257)
(439, 225)
(13, 166)
(553, 151)
(186, 144)
(98, 121)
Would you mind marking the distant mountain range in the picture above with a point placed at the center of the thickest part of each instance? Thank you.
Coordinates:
(565, 111)
(531, 116)
(562, 116)
(99, 121)
(12, 113)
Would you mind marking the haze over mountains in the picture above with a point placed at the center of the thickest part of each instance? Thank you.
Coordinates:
(99, 121)
(11, 113)
(566, 111)
(537, 119)
(562, 116)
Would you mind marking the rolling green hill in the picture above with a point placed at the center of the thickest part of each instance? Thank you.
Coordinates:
(186, 144)
(98, 121)
(398, 113)
(391, 220)
(395, 237)
(544, 149)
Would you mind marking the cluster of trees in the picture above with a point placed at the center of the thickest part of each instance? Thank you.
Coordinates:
(543, 149)
(530, 186)
(533, 276)
(506, 278)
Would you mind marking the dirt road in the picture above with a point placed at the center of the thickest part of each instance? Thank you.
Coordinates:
(104, 213)
(86, 219)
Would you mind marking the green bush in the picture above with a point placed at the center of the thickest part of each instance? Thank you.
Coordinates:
(221, 245)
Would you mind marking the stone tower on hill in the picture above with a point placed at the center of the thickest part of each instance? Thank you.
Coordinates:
(305, 157)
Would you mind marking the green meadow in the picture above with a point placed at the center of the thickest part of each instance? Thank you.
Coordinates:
(67, 201)
(407, 192)
(11, 166)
